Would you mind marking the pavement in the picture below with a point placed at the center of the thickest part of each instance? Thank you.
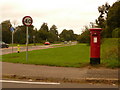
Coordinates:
(59, 74)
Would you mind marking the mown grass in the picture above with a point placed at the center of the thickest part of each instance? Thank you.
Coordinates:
(68, 56)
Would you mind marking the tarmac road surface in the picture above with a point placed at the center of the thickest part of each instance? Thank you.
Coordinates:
(30, 48)
(23, 48)
(61, 85)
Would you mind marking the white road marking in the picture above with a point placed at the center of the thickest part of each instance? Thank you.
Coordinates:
(23, 82)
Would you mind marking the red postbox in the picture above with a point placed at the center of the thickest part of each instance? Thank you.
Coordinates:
(95, 45)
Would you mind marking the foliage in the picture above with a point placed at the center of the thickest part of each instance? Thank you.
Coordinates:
(44, 27)
(19, 37)
(20, 34)
(109, 19)
(113, 19)
(0, 32)
(116, 33)
(85, 36)
(103, 10)
(53, 34)
(53, 30)
(67, 35)
(6, 33)
(34, 35)
(109, 52)
(44, 34)
(52, 37)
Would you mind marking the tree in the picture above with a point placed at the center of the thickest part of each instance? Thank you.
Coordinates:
(44, 27)
(0, 32)
(20, 34)
(52, 37)
(113, 19)
(43, 35)
(103, 10)
(6, 33)
(67, 35)
(53, 34)
(43, 32)
(53, 30)
(85, 36)
(116, 33)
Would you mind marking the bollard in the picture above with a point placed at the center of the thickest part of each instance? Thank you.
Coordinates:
(18, 48)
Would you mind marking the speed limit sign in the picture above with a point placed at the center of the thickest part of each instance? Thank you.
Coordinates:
(27, 21)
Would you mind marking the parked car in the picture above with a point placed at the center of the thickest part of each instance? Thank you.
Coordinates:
(3, 45)
(47, 43)
(65, 42)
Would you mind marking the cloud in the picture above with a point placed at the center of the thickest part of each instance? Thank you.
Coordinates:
(69, 14)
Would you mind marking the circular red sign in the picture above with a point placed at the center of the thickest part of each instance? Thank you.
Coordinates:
(27, 21)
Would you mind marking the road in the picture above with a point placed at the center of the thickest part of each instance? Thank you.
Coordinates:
(23, 48)
(61, 85)
(30, 48)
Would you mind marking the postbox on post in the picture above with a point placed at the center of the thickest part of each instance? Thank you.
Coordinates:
(95, 45)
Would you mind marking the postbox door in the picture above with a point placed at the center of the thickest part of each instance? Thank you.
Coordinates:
(95, 44)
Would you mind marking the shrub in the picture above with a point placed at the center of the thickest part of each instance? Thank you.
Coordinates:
(109, 52)
(116, 33)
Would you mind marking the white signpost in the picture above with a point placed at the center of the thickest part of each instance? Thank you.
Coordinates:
(27, 21)
(12, 30)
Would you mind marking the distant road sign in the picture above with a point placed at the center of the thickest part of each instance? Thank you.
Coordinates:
(27, 21)
(11, 29)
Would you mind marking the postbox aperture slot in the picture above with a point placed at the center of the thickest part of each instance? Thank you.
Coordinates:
(94, 34)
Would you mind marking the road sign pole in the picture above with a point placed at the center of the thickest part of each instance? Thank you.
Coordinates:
(27, 21)
(12, 30)
(12, 41)
(27, 43)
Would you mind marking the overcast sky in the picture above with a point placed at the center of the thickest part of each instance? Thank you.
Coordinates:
(65, 14)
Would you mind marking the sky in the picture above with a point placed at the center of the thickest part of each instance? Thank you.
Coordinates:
(65, 14)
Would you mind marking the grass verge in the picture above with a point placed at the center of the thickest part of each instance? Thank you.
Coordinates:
(68, 56)
(109, 52)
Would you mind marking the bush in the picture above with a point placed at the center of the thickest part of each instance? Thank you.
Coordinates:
(109, 52)
(84, 37)
(116, 33)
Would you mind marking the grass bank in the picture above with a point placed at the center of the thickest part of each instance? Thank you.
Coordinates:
(109, 52)
(68, 56)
